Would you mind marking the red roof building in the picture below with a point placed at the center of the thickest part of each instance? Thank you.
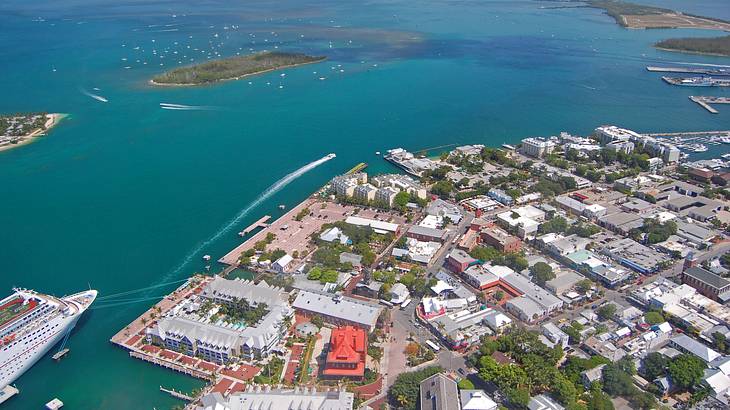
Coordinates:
(347, 352)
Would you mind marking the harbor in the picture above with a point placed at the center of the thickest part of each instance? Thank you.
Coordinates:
(694, 141)
(705, 102)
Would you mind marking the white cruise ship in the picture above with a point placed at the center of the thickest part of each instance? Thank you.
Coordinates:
(31, 323)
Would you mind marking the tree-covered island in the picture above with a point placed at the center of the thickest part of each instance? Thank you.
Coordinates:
(699, 45)
(233, 68)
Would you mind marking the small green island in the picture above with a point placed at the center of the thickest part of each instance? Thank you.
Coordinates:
(699, 45)
(233, 68)
(22, 128)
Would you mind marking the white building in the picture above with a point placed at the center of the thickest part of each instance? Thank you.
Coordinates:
(193, 333)
(537, 146)
(258, 398)
(281, 264)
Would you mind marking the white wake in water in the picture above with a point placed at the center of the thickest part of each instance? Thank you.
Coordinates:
(276, 187)
(182, 107)
(94, 96)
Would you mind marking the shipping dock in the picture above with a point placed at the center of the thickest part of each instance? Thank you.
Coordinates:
(705, 102)
(690, 70)
(697, 81)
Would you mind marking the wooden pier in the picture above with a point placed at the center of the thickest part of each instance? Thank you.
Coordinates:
(198, 374)
(176, 394)
(261, 223)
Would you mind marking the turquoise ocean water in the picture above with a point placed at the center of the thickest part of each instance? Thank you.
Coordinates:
(123, 194)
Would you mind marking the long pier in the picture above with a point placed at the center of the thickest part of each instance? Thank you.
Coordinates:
(176, 394)
(198, 374)
(705, 102)
(261, 223)
(690, 70)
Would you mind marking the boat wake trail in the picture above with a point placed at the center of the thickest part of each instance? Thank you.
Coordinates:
(182, 107)
(94, 96)
(276, 187)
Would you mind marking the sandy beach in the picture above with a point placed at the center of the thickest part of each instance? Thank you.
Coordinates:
(53, 120)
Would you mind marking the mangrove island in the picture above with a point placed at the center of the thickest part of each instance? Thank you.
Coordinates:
(702, 45)
(233, 68)
(22, 128)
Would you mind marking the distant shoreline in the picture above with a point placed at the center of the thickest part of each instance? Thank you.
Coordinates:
(53, 120)
(678, 50)
(154, 83)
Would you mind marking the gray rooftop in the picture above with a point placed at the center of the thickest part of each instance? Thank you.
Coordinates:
(257, 398)
(621, 218)
(439, 392)
(426, 231)
(707, 277)
(341, 307)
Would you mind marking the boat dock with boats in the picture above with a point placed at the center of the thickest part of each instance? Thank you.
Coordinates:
(696, 141)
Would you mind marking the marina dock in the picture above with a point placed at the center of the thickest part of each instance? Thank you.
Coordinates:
(261, 223)
(705, 102)
(176, 394)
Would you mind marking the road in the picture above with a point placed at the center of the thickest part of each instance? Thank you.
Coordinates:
(406, 325)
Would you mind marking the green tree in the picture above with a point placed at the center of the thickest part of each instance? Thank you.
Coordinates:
(518, 398)
(584, 285)
(654, 366)
(573, 334)
(606, 311)
(557, 224)
(442, 188)
(541, 273)
(401, 200)
(654, 318)
(598, 400)
(686, 371)
(405, 389)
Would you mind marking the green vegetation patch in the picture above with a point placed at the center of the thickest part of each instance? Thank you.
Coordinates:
(712, 45)
(233, 67)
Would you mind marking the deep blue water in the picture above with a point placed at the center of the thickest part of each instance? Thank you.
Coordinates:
(119, 195)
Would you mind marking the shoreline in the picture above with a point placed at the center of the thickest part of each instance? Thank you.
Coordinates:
(677, 50)
(154, 83)
(53, 120)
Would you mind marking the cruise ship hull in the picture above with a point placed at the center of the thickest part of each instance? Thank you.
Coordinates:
(21, 353)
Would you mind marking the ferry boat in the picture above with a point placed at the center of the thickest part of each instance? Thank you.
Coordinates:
(31, 323)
